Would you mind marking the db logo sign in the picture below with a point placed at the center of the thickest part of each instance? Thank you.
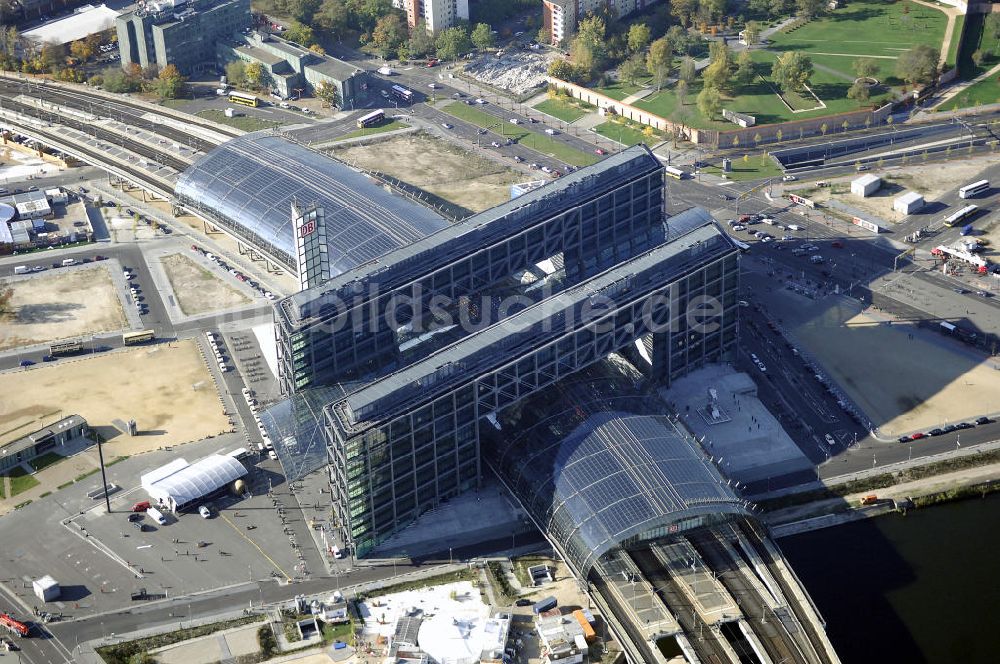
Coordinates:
(307, 228)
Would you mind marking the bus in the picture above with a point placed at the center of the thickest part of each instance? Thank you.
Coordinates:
(371, 119)
(65, 347)
(960, 216)
(141, 336)
(402, 93)
(244, 99)
(974, 189)
(675, 173)
(742, 246)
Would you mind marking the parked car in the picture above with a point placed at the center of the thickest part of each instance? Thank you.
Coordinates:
(26, 363)
(983, 420)
(904, 439)
(918, 436)
(936, 432)
(830, 440)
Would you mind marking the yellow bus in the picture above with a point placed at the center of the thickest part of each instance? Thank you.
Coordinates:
(244, 99)
(141, 336)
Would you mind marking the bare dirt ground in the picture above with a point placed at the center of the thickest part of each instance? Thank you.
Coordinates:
(444, 170)
(904, 379)
(152, 385)
(60, 305)
(198, 290)
(930, 180)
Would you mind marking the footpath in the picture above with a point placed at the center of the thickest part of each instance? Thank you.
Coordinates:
(834, 511)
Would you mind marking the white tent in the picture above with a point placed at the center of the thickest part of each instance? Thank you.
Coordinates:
(178, 483)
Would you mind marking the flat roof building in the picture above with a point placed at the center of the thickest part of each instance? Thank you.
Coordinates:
(908, 203)
(437, 15)
(15, 450)
(183, 33)
(865, 185)
(399, 391)
(291, 69)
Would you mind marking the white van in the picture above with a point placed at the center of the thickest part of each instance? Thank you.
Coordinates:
(68, 261)
(284, 104)
(794, 227)
(157, 516)
(337, 553)
(551, 132)
(22, 269)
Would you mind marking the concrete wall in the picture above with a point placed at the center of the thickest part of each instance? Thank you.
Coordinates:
(860, 119)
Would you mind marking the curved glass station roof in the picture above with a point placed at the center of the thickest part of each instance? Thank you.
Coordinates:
(595, 475)
(248, 185)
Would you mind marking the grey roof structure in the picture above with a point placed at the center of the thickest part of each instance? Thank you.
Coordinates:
(465, 358)
(475, 231)
(248, 185)
(615, 476)
(295, 427)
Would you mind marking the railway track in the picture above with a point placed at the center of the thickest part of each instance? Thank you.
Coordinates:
(134, 112)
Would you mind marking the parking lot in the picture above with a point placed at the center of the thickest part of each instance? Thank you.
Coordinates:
(102, 559)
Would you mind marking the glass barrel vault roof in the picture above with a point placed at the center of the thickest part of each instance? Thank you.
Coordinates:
(249, 184)
(613, 477)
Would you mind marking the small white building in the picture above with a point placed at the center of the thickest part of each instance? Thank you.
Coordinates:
(908, 203)
(866, 185)
(46, 588)
(56, 196)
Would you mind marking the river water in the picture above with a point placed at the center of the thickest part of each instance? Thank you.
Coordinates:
(919, 588)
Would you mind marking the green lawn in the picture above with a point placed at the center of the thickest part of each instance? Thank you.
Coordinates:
(754, 167)
(244, 122)
(20, 481)
(563, 109)
(865, 28)
(758, 99)
(386, 125)
(538, 142)
(618, 90)
(986, 91)
(976, 39)
(623, 133)
(956, 34)
(44, 460)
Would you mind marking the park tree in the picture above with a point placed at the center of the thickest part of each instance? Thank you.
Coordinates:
(482, 36)
(589, 48)
(792, 70)
(169, 82)
(717, 74)
(544, 35)
(991, 27)
(253, 75)
(329, 94)
(683, 10)
(759, 7)
(319, 50)
(304, 11)
(451, 43)
(810, 8)
(918, 65)
(300, 33)
(865, 67)
(709, 102)
(687, 70)
(236, 72)
(333, 17)
(421, 41)
(751, 32)
(681, 92)
(658, 61)
(81, 49)
(9, 39)
(859, 92)
(561, 69)
(389, 34)
(713, 10)
(632, 69)
(638, 37)
(366, 13)
(52, 56)
(744, 67)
